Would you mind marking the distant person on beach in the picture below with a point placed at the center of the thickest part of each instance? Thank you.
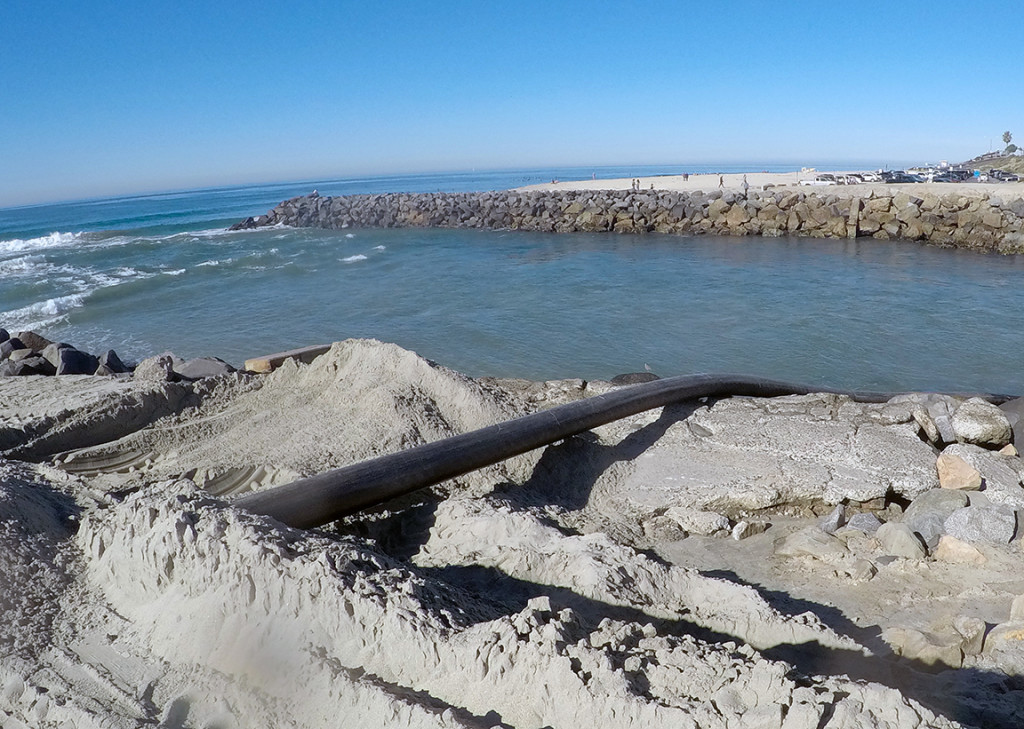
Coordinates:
(686, 177)
(745, 186)
(721, 181)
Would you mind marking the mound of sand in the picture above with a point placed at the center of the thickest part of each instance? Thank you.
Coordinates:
(549, 592)
(361, 399)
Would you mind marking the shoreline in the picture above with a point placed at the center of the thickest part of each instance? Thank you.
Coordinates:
(789, 181)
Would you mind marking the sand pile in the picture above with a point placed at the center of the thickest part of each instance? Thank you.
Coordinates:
(595, 583)
(360, 399)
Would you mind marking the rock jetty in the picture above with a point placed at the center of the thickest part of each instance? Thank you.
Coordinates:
(982, 223)
(29, 353)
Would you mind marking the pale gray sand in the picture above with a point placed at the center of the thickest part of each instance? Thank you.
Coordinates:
(557, 590)
(787, 180)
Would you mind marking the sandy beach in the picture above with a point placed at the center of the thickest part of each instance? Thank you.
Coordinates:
(794, 562)
(787, 180)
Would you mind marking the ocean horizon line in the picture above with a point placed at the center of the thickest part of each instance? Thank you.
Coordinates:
(700, 167)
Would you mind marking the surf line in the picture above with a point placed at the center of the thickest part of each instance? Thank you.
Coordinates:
(320, 499)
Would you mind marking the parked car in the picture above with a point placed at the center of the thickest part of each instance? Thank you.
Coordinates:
(946, 177)
(901, 177)
(1003, 176)
(825, 179)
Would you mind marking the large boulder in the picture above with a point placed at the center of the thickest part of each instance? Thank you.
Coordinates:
(957, 474)
(201, 367)
(10, 345)
(33, 341)
(32, 365)
(1001, 474)
(111, 364)
(740, 455)
(74, 362)
(1013, 410)
(981, 423)
(926, 516)
(989, 523)
(156, 369)
(51, 352)
(900, 541)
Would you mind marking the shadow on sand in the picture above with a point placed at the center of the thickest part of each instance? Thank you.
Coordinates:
(565, 476)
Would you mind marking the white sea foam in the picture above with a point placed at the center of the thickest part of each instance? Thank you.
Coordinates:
(353, 259)
(23, 265)
(42, 313)
(175, 272)
(350, 235)
(53, 240)
(379, 248)
(210, 233)
(213, 262)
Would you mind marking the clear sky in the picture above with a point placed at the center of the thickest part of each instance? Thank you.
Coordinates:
(100, 98)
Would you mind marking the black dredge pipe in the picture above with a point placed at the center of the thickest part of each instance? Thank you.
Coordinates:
(321, 499)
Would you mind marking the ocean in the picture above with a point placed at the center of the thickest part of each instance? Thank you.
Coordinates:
(153, 273)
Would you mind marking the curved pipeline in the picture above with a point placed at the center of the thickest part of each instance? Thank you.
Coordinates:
(320, 499)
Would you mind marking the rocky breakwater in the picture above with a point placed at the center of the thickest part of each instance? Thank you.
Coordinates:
(30, 353)
(984, 223)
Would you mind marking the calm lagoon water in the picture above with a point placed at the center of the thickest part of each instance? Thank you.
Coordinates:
(154, 273)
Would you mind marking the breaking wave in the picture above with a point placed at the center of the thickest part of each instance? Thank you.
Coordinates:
(53, 240)
(42, 313)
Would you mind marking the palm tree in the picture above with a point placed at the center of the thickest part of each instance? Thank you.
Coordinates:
(1007, 137)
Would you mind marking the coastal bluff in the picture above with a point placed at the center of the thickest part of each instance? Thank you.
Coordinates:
(980, 222)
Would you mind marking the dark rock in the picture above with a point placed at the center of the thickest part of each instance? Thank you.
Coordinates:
(634, 378)
(74, 362)
(4, 335)
(9, 346)
(201, 367)
(34, 341)
(112, 363)
(51, 352)
(34, 365)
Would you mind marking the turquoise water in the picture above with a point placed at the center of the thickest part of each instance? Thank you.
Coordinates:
(153, 273)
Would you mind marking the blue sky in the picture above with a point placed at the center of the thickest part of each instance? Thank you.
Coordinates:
(100, 98)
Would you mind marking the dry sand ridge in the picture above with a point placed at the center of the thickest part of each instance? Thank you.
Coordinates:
(596, 581)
